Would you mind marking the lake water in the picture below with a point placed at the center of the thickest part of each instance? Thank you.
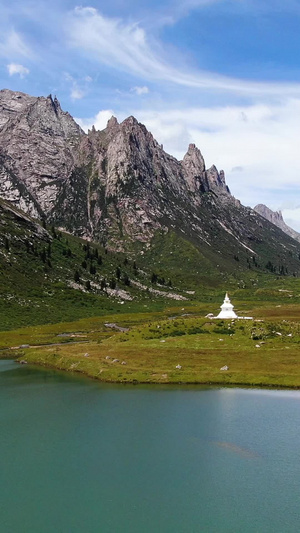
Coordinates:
(80, 456)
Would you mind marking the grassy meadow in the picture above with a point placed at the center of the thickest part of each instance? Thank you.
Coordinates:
(146, 347)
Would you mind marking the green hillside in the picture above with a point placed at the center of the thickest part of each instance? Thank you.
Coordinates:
(51, 276)
(48, 276)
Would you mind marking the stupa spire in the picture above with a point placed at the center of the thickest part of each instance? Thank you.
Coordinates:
(227, 309)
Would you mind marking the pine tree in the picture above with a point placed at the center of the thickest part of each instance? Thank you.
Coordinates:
(88, 252)
(112, 283)
(43, 255)
(126, 280)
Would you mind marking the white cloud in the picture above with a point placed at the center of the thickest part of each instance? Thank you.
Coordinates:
(13, 45)
(99, 121)
(76, 93)
(127, 47)
(140, 90)
(14, 68)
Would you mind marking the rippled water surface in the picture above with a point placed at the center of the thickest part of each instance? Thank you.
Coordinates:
(79, 456)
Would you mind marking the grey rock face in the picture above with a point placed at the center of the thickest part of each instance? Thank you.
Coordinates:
(194, 168)
(277, 219)
(216, 181)
(137, 186)
(38, 147)
(12, 104)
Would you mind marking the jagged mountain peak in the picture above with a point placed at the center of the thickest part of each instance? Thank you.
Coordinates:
(112, 123)
(277, 219)
(267, 212)
(193, 167)
(216, 181)
(38, 148)
(132, 121)
(194, 159)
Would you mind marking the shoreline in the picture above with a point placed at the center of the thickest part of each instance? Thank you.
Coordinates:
(133, 381)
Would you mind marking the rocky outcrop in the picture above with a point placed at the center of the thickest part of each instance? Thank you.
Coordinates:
(13, 104)
(277, 219)
(194, 168)
(16, 225)
(38, 147)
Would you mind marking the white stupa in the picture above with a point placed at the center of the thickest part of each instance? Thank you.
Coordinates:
(227, 309)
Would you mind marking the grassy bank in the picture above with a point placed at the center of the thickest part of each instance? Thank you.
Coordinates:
(262, 352)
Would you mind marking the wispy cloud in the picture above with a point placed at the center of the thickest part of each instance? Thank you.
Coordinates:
(13, 45)
(76, 93)
(76, 90)
(243, 6)
(14, 68)
(128, 48)
(140, 90)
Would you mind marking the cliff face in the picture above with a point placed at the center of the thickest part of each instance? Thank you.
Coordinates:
(119, 186)
(277, 219)
(38, 146)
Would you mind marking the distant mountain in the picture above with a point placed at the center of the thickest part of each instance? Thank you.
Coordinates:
(120, 188)
(276, 218)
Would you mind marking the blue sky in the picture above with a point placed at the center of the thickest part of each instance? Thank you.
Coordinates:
(224, 74)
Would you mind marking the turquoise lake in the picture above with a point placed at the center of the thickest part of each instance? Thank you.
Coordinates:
(81, 456)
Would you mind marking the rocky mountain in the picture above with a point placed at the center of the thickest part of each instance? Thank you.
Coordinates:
(276, 218)
(120, 188)
(38, 147)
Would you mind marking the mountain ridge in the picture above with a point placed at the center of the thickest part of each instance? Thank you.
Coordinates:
(120, 188)
(276, 218)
